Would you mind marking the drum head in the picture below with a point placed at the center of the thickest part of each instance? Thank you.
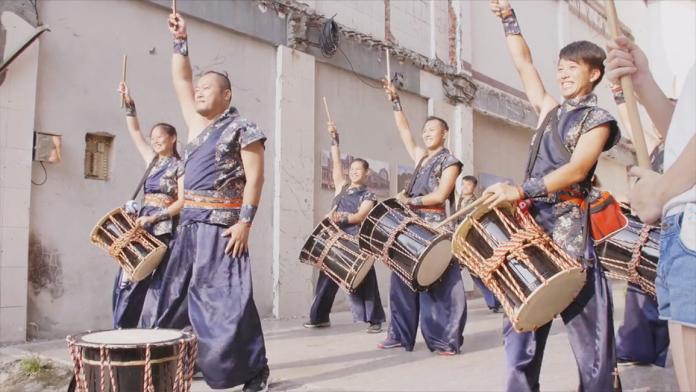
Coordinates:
(549, 300)
(129, 337)
(368, 262)
(151, 261)
(434, 261)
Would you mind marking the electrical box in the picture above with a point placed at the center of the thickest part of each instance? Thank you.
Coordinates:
(47, 147)
(97, 152)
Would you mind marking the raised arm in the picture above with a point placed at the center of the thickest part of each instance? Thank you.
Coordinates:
(134, 125)
(252, 160)
(414, 151)
(626, 58)
(182, 76)
(337, 166)
(541, 101)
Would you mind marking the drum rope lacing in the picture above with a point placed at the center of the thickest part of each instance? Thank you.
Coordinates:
(637, 261)
(522, 236)
(78, 368)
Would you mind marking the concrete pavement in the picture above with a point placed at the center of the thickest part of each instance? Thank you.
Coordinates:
(345, 358)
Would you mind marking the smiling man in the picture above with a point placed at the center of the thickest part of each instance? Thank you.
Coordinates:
(561, 164)
(441, 308)
(207, 280)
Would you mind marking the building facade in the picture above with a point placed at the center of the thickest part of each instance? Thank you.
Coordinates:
(450, 55)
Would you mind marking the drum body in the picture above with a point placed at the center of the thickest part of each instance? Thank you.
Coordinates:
(632, 254)
(337, 254)
(417, 252)
(133, 360)
(134, 249)
(531, 276)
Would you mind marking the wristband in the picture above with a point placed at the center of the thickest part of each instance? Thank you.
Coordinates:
(416, 201)
(534, 187)
(181, 46)
(396, 105)
(510, 24)
(334, 139)
(130, 109)
(247, 213)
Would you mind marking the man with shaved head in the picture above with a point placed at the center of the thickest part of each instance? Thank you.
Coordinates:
(207, 279)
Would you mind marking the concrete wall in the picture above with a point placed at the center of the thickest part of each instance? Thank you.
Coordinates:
(78, 76)
(17, 104)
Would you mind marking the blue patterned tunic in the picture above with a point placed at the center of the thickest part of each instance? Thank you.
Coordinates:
(427, 180)
(563, 219)
(162, 184)
(349, 201)
(222, 177)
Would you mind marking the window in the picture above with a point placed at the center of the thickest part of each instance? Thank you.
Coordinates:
(97, 151)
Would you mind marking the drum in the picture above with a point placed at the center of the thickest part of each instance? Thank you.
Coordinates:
(417, 252)
(632, 253)
(337, 254)
(134, 249)
(133, 360)
(531, 276)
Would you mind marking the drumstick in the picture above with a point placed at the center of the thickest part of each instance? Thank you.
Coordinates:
(463, 210)
(174, 7)
(638, 137)
(326, 107)
(123, 78)
(388, 66)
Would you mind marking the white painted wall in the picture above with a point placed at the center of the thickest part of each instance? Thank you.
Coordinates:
(17, 106)
(78, 75)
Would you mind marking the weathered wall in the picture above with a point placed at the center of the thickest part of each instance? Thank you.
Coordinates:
(17, 104)
(78, 76)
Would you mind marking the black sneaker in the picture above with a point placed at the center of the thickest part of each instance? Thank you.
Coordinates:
(321, 324)
(374, 328)
(259, 383)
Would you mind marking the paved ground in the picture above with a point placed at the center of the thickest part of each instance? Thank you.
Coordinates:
(345, 358)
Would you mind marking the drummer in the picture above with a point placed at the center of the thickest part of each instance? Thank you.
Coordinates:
(161, 202)
(442, 307)
(351, 205)
(580, 128)
(466, 197)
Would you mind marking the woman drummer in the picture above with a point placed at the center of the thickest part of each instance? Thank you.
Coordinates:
(160, 204)
(351, 205)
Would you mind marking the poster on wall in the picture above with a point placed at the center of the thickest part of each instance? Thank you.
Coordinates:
(404, 175)
(378, 179)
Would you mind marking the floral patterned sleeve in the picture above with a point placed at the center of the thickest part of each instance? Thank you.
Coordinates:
(249, 134)
(368, 196)
(451, 160)
(598, 116)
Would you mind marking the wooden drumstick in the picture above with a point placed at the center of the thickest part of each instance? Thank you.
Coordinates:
(464, 210)
(386, 50)
(637, 136)
(123, 79)
(326, 107)
(174, 7)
